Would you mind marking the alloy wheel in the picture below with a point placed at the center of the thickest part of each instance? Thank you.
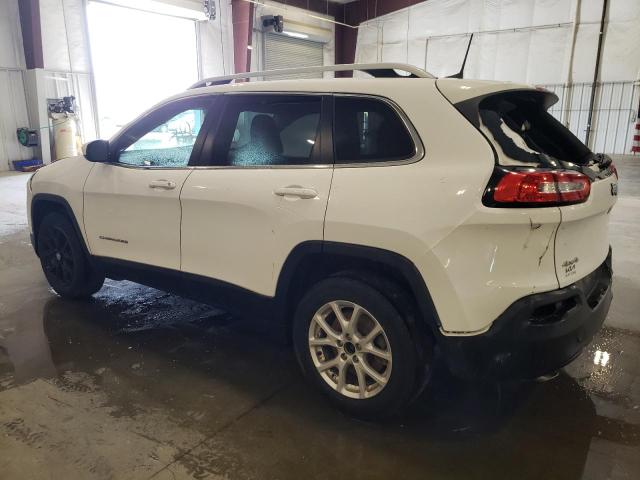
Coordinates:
(57, 256)
(350, 349)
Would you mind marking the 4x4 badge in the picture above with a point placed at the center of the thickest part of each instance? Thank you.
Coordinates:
(614, 189)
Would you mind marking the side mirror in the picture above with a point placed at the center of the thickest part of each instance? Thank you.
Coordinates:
(97, 151)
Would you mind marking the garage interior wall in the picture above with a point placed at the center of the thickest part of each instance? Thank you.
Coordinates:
(528, 41)
(67, 68)
(14, 112)
(298, 20)
(67, 63)
(215, 38)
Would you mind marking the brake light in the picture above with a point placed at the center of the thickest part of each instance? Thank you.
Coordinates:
(614, 170)
(537, 188)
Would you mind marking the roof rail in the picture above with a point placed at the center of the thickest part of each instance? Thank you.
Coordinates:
(378, 70)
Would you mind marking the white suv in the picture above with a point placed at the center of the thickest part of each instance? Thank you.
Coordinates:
(380, 222)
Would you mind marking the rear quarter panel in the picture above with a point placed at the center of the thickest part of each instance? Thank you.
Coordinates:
(475, 261)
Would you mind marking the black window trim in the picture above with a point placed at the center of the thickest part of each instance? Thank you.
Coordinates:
(210, 104)
(419, 151)
(205, 143)
(325, 134)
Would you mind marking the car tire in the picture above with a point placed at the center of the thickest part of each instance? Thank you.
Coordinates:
(361, 383)
(63, 259)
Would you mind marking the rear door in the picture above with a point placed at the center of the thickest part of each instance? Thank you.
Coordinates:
(262, 189)
(132, 205)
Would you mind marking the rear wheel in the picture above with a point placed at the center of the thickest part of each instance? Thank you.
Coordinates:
(355, 346)
(63, 260)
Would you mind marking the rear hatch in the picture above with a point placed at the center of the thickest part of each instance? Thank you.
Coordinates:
(541, 164)
(582, 241)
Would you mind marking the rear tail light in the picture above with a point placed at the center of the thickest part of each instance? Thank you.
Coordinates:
(531, 188)
(614, 170)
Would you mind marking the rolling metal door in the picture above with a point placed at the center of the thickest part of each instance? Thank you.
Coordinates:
(281, 51)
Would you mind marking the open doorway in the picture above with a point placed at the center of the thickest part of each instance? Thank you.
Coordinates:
(139, 58)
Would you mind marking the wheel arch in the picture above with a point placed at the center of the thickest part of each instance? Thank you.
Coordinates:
(43, 204)
(395, 275)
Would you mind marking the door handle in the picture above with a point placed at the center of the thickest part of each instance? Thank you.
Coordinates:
(162, 184)
(295, 191)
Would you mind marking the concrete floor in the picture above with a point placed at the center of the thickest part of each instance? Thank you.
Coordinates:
(141, 384)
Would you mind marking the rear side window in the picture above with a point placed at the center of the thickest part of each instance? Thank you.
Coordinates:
(525, 134)
(269, 130)
(369, 130)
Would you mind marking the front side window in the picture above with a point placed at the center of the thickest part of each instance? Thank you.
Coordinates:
(168, 143)
(369, 130)
(269, 130)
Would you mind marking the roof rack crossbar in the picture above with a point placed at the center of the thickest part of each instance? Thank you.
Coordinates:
(378, 70)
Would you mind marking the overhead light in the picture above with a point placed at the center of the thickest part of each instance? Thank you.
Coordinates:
(296, 34)
(249, 47)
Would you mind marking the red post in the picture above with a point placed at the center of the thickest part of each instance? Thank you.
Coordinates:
(242, 19)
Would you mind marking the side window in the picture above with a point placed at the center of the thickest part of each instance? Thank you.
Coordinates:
(268, 130)
(168, 143)
(369, 130)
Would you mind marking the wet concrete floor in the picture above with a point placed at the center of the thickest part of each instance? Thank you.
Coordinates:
(141, 384)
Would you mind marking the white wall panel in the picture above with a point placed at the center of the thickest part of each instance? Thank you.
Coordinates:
(516, 13)
(416, 51)
(216, 43)
(396, 29)
(444, 55)
(547, 12)
(11, 53)
(367, 54)
(512, 56)
(54, 38)
(584, 55)
(547, 54)
(621, 51)
(64, 41)
(532, 42)
(482, 56)
(13, 107)
(590, 10)
(426, 19)
(75, 24)
(13, 115)
(394, 52)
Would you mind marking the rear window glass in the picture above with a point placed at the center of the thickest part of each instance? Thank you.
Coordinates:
(368, 130)
(525, 134)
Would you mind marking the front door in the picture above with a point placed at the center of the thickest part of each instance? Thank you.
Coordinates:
(263, 191)
(132, 205)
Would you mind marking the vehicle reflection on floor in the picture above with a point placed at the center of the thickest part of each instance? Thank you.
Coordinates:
(170, 384)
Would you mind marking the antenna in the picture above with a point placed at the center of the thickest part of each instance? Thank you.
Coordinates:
(464, 62)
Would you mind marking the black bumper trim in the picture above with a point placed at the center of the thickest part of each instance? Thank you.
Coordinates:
(537, 334)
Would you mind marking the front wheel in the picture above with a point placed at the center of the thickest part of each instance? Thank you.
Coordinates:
(63, 260)
(355, 346)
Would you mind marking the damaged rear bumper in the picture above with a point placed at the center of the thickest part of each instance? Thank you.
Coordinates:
(537, 334)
